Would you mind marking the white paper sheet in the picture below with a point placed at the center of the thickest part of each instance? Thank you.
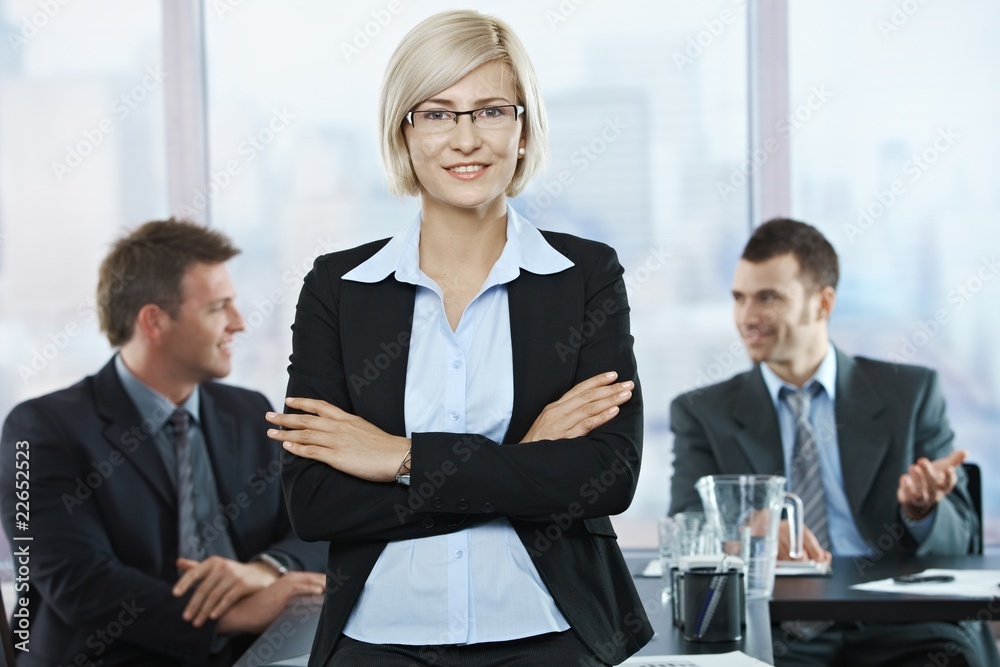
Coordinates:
(796, 568)
(967, 584)
(783, 569)
(734, 658)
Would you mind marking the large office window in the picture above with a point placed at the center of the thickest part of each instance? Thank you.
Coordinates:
(81, 158)
(890, 138)
(897, 167)
(647, 107)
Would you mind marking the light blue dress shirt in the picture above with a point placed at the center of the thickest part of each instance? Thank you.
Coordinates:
(478, 584)
(845, 538)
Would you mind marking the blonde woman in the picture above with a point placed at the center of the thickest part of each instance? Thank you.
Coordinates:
(464, 407)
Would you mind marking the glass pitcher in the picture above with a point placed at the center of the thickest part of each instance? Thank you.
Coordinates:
(746, 512)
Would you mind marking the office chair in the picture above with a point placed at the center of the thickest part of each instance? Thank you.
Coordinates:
(975, 486)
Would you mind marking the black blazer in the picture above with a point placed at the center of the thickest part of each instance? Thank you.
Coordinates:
(350, 347)
(103, 518)
(887, 416)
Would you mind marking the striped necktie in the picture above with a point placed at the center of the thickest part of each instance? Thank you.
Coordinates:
(190, 544)
(806, 476)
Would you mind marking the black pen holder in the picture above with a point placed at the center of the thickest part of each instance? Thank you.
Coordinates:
(709, 606)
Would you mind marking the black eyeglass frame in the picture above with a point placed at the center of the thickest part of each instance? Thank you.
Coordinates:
(518, 112)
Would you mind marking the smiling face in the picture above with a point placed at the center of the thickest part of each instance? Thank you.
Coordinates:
(782, 320)
(198, 342)
(467, 168)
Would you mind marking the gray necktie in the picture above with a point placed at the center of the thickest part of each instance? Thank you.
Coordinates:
(190, 545)
(806, 478)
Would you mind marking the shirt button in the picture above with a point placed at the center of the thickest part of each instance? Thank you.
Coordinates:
(437, 503)
(428, 523)
(463, 505)
(487, 508)
(454, 416)
(456, 364)
(458, 553)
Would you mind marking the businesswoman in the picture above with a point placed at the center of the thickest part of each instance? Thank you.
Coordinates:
(465, 412)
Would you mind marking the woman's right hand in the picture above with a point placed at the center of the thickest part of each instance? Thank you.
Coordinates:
(580, 410)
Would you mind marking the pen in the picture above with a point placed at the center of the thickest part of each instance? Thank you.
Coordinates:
(924, 579)
(712, 599)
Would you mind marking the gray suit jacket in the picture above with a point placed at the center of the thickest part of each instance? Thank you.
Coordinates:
(887, 416)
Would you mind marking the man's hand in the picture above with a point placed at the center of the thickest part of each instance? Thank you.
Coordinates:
(927, 483)
(811, 549)
(581, 409)
(255, 612)
(220, 583)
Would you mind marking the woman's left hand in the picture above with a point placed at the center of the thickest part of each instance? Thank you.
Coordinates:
(339, 439)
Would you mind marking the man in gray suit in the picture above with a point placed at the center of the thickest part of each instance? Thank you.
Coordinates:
(866, 443)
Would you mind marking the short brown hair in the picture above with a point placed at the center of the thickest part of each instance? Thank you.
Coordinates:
(779, 236)
(147, 265)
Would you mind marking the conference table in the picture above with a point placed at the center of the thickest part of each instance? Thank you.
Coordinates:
(290, 636)
(795, 598)
(832, 598)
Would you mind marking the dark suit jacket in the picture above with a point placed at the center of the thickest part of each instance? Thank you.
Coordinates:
(350, 347)
(103, 518)
(887, 416)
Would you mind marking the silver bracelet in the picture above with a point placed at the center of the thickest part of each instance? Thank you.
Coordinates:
(403, 471)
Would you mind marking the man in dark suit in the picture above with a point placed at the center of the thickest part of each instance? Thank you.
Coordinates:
(871, 452)
(157, 533)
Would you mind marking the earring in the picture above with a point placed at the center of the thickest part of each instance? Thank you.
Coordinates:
(520, 151)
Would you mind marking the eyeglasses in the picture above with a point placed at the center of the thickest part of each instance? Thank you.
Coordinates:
(434, 121)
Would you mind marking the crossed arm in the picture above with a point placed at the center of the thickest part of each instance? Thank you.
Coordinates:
(339, 483)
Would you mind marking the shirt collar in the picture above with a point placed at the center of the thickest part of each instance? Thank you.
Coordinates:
(825, 375)
(151, 404)
(526, 249)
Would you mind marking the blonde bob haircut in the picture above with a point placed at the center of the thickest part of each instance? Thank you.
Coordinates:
(435, 55)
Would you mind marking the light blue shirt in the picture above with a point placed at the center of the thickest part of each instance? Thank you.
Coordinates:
(478, 584)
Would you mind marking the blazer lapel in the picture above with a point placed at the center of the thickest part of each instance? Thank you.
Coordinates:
(757, 421)
(222, 441)
(861, 434)
(375, 324)
(123, 429)
(542, 343)
(223, 445)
